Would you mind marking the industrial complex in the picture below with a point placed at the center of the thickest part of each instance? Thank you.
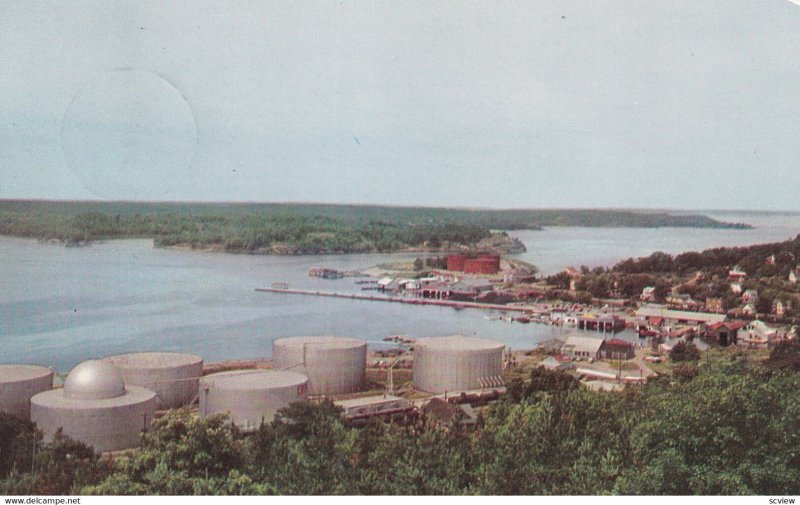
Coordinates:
(333, 365)
(107, 403)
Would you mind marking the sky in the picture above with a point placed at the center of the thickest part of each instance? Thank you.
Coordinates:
(623, 104)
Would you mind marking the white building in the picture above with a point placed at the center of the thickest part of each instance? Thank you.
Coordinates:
(757, 335)
(582, 347)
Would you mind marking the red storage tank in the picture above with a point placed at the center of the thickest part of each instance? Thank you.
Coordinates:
(456, 262)
(480, 266)
(494, 258)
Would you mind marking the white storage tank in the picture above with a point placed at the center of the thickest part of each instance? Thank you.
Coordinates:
(250, 396)
(333, 365)
(457, 363)
(19, 383)
(172, 376)
(96, 408)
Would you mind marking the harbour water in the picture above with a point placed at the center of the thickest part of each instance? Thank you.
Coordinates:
(60, 306)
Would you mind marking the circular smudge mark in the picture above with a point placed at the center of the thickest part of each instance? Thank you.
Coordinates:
(129, 134)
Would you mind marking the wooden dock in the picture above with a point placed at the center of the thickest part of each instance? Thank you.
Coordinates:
(410, 301)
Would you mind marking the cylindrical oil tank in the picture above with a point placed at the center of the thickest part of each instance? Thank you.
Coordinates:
(333, 365)
(480, 266)
(494, 259)
(457, 363)
(250, 397)
(456, 262)
(172, 376)
(19, 383)
(96, 408)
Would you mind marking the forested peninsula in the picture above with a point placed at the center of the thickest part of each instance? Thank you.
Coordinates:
(255, 228)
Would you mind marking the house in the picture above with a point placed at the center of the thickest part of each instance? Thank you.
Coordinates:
(736, 274)
(678, 301)
(749, 310)
(471, 286)
(602, 323)
(582, 347)
(736, 288)
(443, 413)
(769, 260)
(715, 305)
(553, 363)
(648, 294)
(647, 315)
(750, 296)
(757, 335)
(793, 277)
(616, 349)
(779, 307)
(725, 333)
(388, 284)
(518, 275)
(553, 345)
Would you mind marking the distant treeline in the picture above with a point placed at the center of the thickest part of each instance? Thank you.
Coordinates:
(300, 228)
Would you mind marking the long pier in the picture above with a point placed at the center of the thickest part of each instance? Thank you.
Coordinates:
(409, 301)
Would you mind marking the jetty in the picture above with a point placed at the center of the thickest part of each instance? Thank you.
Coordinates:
(409, 301)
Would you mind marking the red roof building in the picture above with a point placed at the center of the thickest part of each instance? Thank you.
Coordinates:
(616, 349)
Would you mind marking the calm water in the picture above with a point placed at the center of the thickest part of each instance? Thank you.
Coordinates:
(59, 306)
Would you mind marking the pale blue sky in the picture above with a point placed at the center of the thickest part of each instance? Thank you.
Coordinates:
(660, 104)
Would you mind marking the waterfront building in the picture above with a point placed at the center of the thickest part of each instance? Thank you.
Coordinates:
(582, 347)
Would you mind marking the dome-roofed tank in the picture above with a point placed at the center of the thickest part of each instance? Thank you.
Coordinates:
(18, 383)
(94, 380)
(96, 408)
(457, 363)
(173, 376)
(250, 396)
(333, 365)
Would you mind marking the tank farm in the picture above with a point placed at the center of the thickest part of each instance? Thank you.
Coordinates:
(108, 402)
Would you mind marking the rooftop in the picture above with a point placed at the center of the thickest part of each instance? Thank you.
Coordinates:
(254, 379)
(94, 380)
(588, 344)
(459, 342)
(368, 400)
(326, 341)
(153, 359)
(661, 311)
(19, 373)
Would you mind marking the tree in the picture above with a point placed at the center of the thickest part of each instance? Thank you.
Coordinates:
(61, 466)
(183, 454)
(683, 351)
(560, 280)
(17, 442)
(310, 453)
(542, 380)
(785, 354)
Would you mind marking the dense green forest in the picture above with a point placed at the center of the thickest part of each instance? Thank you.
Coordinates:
(724, 426)
(300, 228)
(767, 266)
(751, 259)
